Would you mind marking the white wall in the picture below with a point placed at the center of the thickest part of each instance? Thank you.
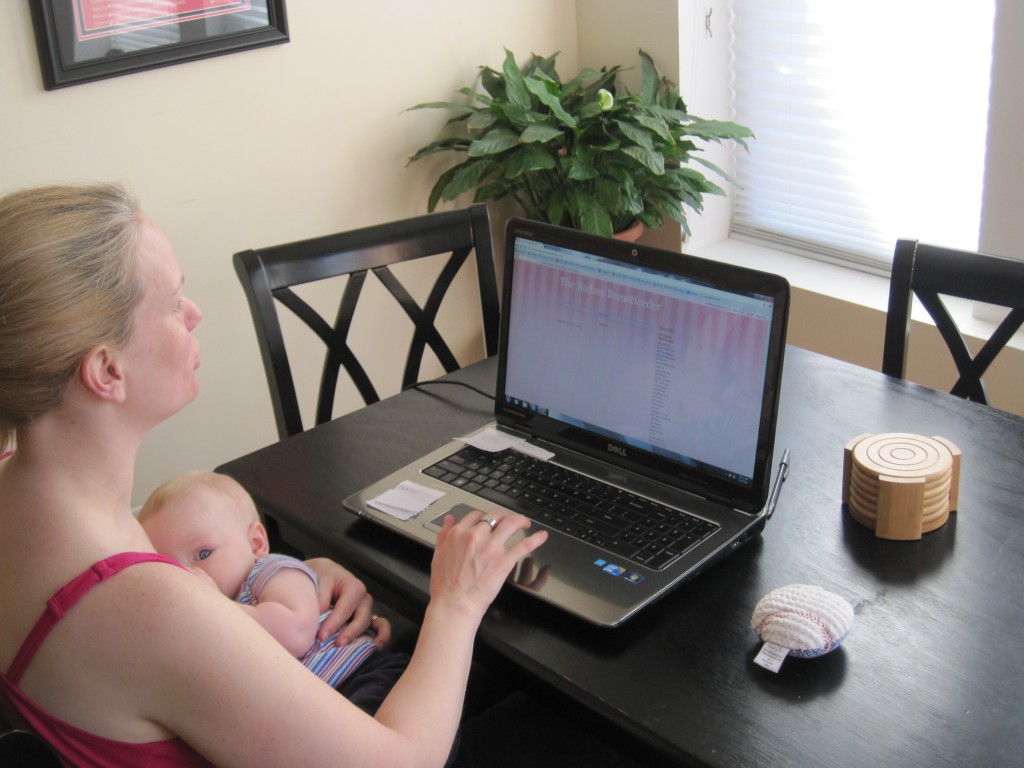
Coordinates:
(291, 141)
(689, 43)
(1001, 228)
(257, 148)
(612, 32)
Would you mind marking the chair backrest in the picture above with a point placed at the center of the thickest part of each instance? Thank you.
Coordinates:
(21, 748)
(268, 274)
(930, 271)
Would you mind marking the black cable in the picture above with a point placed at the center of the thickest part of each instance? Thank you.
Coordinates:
(421, 384)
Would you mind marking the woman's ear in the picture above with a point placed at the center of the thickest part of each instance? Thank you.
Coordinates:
(100, 372)
(259, 540)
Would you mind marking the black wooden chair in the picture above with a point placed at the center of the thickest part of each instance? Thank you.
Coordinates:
(930, 271)
(268, 275)
(24, 749)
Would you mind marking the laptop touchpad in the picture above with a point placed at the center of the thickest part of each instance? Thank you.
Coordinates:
(459, 511)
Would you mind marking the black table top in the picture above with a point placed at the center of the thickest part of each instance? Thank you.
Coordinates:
(930, 674)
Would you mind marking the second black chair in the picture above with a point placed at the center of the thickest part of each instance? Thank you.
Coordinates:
(269, 274)
(930, 271)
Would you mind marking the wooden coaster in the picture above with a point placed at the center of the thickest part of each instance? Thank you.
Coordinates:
(901, 485)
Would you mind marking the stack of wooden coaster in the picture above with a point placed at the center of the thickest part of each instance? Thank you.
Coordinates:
(901, 485)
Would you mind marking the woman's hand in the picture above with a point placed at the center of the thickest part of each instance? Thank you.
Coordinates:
(352, 613)
(472, 558)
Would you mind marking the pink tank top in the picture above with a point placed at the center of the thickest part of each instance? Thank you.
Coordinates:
(75, 746)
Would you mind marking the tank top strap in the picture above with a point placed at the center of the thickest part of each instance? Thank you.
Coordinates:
(67, 596)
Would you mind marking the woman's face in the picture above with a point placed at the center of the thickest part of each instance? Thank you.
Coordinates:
(163, 355)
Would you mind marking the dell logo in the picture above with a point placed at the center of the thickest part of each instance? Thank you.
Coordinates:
(617, 449)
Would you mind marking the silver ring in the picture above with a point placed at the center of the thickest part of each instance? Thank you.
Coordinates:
(490, 521)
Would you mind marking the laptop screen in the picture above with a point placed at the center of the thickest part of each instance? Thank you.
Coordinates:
(658, 354)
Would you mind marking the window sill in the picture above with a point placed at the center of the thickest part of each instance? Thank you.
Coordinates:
(845, 284)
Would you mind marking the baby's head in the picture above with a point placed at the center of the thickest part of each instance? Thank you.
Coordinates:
(206, 521)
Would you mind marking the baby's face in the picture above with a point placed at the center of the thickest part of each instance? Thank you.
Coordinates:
(198, 531)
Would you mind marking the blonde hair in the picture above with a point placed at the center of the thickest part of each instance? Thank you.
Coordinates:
(225, 486)
(67, 284)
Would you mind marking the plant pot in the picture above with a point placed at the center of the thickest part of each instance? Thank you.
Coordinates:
(632, 233)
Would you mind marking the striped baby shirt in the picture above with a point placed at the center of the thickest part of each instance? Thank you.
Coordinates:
(328, 662)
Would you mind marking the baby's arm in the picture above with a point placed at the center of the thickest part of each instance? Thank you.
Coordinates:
(289, 610)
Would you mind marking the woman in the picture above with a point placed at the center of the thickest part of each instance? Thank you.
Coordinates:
(96, 349)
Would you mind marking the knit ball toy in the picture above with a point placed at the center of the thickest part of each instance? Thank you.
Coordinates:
(808, 621)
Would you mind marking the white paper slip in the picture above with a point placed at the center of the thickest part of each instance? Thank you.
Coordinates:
(533, 450)
(771, 656)
(491, 440)
(406, 500)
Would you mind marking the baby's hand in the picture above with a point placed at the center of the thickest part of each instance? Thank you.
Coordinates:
(205, 577)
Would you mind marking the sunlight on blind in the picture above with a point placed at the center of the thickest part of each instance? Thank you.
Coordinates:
(870, 120)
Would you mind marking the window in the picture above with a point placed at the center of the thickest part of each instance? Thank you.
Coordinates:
(870, 120)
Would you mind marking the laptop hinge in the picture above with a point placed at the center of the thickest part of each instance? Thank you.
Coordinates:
(724, 501)
(715, 498)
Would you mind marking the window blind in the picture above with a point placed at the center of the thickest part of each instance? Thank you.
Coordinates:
(870, 122)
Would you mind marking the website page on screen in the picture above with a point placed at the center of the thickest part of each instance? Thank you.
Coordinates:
(652, 359)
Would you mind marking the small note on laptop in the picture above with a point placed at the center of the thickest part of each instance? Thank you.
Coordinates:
(491, 440)
(406, 500)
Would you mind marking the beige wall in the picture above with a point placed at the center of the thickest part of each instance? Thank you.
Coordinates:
(310, 137)
(855, 333)
(257, 148)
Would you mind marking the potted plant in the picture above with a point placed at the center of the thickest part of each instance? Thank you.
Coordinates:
(585, 153)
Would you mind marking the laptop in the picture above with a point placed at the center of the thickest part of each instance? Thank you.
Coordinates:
(642, 386)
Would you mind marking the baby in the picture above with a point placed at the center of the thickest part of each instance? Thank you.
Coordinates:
(209, 523)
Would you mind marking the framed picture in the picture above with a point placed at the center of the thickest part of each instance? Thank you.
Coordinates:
(84, 40)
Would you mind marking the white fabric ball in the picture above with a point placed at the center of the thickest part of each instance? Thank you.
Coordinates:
(807, 620)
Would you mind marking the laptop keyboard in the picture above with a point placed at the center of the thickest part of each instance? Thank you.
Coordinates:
(625, 524)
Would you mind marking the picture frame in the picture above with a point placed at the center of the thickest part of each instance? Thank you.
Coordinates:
(81, 41)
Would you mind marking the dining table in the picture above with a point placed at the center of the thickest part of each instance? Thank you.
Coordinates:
(931, 672)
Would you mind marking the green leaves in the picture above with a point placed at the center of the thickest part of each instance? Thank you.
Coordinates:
(547, 93)
(649, 79)
(442, 145)
(636, 134)
(496, 140)
(583, 153)
(540, 133)
(528, 159)
(458, 180)
(653, 161)
(515, 87)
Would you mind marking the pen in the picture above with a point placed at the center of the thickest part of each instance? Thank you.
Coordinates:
(780, 478)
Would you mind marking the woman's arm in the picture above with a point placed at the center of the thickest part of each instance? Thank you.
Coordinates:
(470, 564)
(197, 666)
(204, 673)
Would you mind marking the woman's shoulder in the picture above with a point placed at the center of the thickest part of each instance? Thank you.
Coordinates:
(127, 624)
(156, 630)
(115, 564)
(144, 585)
(135, 592)
(203, 659)
(130, 601)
